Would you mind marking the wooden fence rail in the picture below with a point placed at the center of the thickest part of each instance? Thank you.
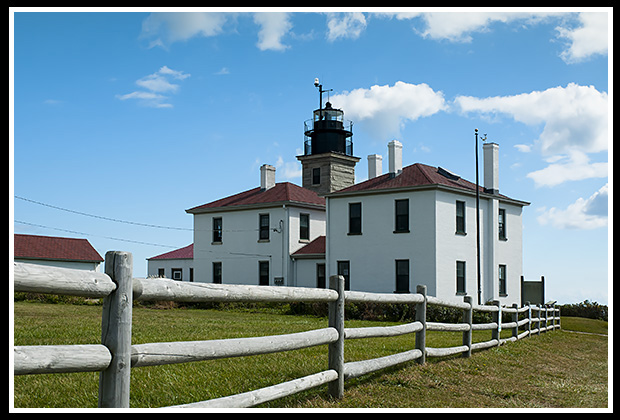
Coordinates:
(115, 356)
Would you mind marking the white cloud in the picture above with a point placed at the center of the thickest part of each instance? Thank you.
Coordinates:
(167, 28)
(524, 148)
(575, 166)
(156, 84)
(385, 109)
(345, 25)
(573, 116)
(458, 26)
(591, 38)
(164, 29)
(574, 121)
(273, 27)
(288, 170)
(590, 213)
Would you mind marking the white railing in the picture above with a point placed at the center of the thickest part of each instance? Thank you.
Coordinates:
(115, 356)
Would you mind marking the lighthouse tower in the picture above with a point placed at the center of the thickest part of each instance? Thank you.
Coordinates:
(328, 163)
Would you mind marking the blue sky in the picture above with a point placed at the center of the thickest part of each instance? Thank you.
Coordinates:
(137, 116)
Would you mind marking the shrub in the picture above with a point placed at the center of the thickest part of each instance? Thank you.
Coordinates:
(585, 309)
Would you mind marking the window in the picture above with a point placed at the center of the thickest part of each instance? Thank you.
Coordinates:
(320, 276)
(177, 274)
(217, 230)
(402, 276)
(355, 218)
(304, 226)
(502, 280)
(263, 227)
(217, 272)
(460, 217)
(502, 224)
(263, 273)
(460, 277)
(401, 220)
(343, 270)
(316, 176)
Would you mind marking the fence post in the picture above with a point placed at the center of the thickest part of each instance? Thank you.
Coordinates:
(497, 317)
(336, 349)
(515, 318)
(420, 316)
(529, 316)
(116, 331)
(468, 319)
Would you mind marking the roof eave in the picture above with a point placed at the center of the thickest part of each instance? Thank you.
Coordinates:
(339, 194)
(198, 210)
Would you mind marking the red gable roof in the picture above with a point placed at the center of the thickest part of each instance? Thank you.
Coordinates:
(54, 248)
(186, 252)
(417, 175)
(283, 192)
(414, 175)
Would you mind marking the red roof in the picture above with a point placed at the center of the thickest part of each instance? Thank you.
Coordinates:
(317, 246)
(186, 252)
(54, 248)
(283, 192)
(415, 175)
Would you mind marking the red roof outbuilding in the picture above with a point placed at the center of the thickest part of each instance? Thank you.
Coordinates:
(54, 248)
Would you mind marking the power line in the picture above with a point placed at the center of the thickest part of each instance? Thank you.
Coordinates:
(111, 219)
(91, 235)
(102, 217)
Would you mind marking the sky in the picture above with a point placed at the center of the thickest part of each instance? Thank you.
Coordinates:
(121, 120)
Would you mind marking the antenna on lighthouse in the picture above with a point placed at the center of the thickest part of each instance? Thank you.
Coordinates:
(321, 91)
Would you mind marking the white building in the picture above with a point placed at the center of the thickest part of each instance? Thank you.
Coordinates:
(413, 225)
(248, 238)
(175, 265)
(417, 225)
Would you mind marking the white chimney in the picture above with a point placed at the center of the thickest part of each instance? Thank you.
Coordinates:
(395, 156)
(374, 165)
(267, 177)
(491, 167)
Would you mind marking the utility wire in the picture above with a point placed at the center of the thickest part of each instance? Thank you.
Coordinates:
(130, 222)
(100, 236)
(102, 217)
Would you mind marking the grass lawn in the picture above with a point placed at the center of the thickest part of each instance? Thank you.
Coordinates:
(557, 369)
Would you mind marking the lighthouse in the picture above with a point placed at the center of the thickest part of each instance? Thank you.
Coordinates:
(328, 163)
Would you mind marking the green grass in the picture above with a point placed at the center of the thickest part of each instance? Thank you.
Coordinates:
(557, 369)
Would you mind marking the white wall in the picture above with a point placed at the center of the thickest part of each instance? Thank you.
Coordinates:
(432, 245)
(305, 272)
(184, 264)
(75, 265)
(372, 254)
(510, 253)
(241, 250)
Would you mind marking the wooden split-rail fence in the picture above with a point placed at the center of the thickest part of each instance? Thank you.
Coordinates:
(116, 355)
